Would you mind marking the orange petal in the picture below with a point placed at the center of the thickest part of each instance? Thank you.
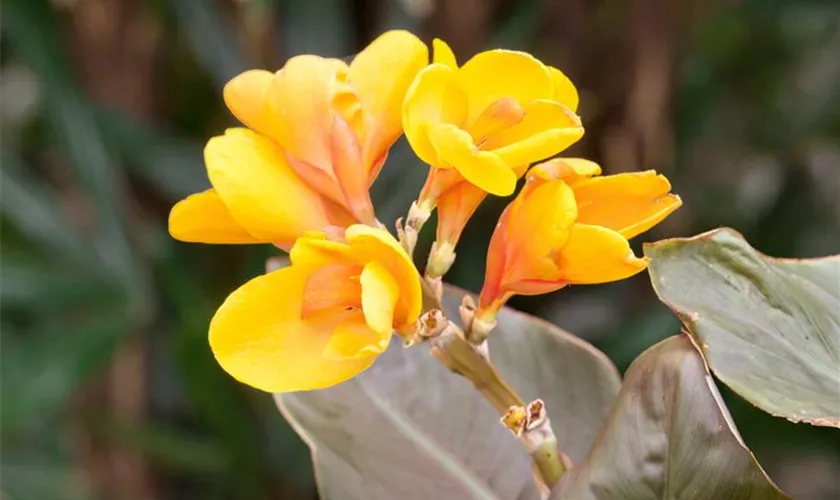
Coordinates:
(629, 203)
(350, 172)
(262, 193)
(595, 254)
(483, 169)
(433, 98)
(455, 207)
(547, 129)
(570, 170)
(247, 97)
(259, 338)
(382, 73)
(497, 117)
(536, 229)
(496, 74)
(332, 288)
(204, 218)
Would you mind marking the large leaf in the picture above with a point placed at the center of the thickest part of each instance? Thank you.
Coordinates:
(408, 428)
(668, 436)
(769, 328)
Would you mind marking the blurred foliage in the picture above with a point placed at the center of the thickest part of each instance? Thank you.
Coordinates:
(109, 389)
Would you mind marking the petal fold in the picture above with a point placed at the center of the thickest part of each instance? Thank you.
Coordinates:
(547, 129)
(379, 293)
(482, 168)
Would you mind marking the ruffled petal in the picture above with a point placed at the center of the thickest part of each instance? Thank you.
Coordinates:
(564, 90)
(569, 170)
(379, 292)
(369, 244)
(262, 193)
(595, 254)
(547, 129)
(204, 218)
(483, 169)
(433, 98)
(629, 203)
(496, 74)
(259, 338)
(382, 73)
(247, 97)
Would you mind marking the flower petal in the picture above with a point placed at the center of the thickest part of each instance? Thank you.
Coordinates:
(564, 90)
(433, 98)
(314, 250)
(369, 244)
(262, 193)
(538, 227)
(495, 74)
(443, 54)
(259, 338)
(247, 97)
(595, 254)
(354, 339)
(301, 99)
(629, 203)
(204, 218)
(382, 73)
(484, 169)
(330, 289)
(380, 293)
(547, 129)
(570, 170)
(454, 208)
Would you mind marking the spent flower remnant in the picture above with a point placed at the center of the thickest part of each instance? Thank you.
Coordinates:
(479, 126)
(322, 320)
(318, 132)
(569, 225)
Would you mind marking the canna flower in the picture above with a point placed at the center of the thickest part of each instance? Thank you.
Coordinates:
(570, 226)
(479, 127)
(322, 320)
(318, 132)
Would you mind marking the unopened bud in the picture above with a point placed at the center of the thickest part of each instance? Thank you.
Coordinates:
(441, 257)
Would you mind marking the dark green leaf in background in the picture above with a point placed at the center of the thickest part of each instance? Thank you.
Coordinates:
(769, 328)
(668, 436)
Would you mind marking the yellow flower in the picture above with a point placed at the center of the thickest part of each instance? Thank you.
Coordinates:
(318, 134)
(480, 126)
(569, 226)
(322, 320)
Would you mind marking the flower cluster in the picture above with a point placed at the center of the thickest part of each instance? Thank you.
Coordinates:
(317, 133)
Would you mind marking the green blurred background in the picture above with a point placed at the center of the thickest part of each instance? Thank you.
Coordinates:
(109, 389)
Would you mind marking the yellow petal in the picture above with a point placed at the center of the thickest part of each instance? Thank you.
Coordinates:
(443, 54)
(547, 129)
(301, 99)
(261, 191)
(380, 293)
(537, 227)
(433, 98)
(595, 254)
(203, 218)
(483, 169)
(259, 338)
(247, 97)
(564, 90)
(495, 74)
(382, 73)
(354, 339)
(570, 170)
(629, 203)
(375, 245)
(313, 250)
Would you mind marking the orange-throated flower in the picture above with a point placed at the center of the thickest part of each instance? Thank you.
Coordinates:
(570, 226)
(480, 126)
(318, 132)
(322, 320)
